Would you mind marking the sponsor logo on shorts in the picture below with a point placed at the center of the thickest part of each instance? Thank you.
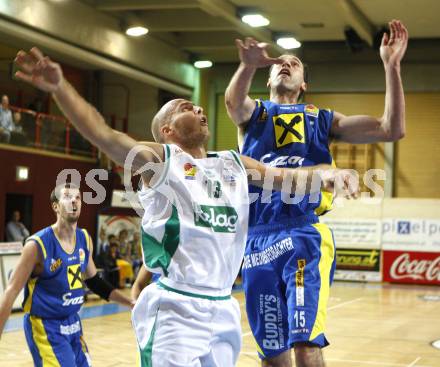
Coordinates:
(269, 254)
(219, 218)
(55, 264)
(70, 329)
(67, 301)
(300, 282)
(270, 309)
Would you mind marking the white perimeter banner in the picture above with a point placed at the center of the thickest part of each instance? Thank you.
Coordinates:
(411, 234)
(355, 233)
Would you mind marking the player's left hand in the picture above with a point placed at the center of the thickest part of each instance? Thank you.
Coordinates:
(340, 182)
(393, 47)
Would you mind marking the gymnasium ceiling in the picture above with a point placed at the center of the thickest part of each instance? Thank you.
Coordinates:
(207, 28)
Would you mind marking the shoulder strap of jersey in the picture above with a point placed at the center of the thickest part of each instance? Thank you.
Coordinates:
(88, 239)
(40, 243)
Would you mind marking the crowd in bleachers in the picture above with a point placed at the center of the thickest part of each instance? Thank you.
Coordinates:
(119, 257)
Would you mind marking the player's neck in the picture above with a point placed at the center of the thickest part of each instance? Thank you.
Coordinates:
(285, 97)
(196, 152)
(64, 230)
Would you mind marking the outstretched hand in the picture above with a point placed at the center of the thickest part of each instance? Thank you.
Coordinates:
(38, 70)
(341, 182)
(253, 53)
(393, 47)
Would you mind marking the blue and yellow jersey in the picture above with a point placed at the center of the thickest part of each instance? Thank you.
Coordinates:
(58, 291)
(287, 136)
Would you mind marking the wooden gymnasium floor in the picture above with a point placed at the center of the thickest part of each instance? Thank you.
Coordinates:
(368, 325)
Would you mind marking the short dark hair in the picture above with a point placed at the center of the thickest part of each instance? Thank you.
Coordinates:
(56, 192)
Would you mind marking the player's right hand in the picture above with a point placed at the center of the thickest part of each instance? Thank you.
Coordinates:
(38, 70)
(254, 53)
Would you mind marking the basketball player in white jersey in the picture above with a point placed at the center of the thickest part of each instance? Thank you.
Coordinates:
(194, 227)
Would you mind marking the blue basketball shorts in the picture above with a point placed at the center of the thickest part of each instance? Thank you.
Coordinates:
(56, 342)
(286, 278)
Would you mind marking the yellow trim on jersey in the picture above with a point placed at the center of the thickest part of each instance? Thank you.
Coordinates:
(326, 199)
(259, 350)
(88, 239)
(31, 286)
(325, 265)
(43, 345)
(40, 242)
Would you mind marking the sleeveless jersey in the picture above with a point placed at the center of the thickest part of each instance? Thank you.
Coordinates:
(287, 136)
(58, 291)
(195, 222)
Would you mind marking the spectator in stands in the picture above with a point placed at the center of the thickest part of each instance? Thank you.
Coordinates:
(18, 135)
(111, 270)
(124, 245)
(16, 230)
(136, 251)
(6, 121)
(126, 273)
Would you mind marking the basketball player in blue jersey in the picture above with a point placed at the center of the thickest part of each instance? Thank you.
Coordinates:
(286, 297)
(53, 264)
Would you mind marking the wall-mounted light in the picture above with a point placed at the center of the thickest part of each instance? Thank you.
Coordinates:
(136, 31)
(255, 20)
(288, 43)
(22, 173)
(202, 64)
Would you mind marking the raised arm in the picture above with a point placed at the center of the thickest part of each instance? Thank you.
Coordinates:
(253, 55)
(29, 258)
(303, 180)
(391, 126)
(42, 73)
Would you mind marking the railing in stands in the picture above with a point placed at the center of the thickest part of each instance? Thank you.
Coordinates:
(48, 132)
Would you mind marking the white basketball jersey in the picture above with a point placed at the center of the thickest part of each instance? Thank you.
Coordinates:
(195, 222)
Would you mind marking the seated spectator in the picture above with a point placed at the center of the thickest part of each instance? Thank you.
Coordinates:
(18, 137)
(124, 245)
(111, 270)
(136, 251)
(6, 121)
(16, 230)
(124, 262)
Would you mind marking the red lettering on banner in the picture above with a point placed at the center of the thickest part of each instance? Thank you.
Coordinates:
(412, 267)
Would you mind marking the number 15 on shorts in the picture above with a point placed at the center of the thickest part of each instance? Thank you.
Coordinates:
(300, 319)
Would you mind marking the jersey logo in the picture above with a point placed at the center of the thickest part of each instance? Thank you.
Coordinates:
(82, 256)
(55, 264)
(311, 110)
(190, 171)
(74, 276)
(289, 128)
(219, 218)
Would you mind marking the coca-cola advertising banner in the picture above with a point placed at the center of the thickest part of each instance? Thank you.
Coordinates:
(411, 267)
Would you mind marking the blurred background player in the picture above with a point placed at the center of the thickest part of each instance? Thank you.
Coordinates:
(53, 264)
(285, 133)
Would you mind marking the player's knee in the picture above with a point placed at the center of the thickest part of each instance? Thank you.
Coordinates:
(282, 360)
(308, 355)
